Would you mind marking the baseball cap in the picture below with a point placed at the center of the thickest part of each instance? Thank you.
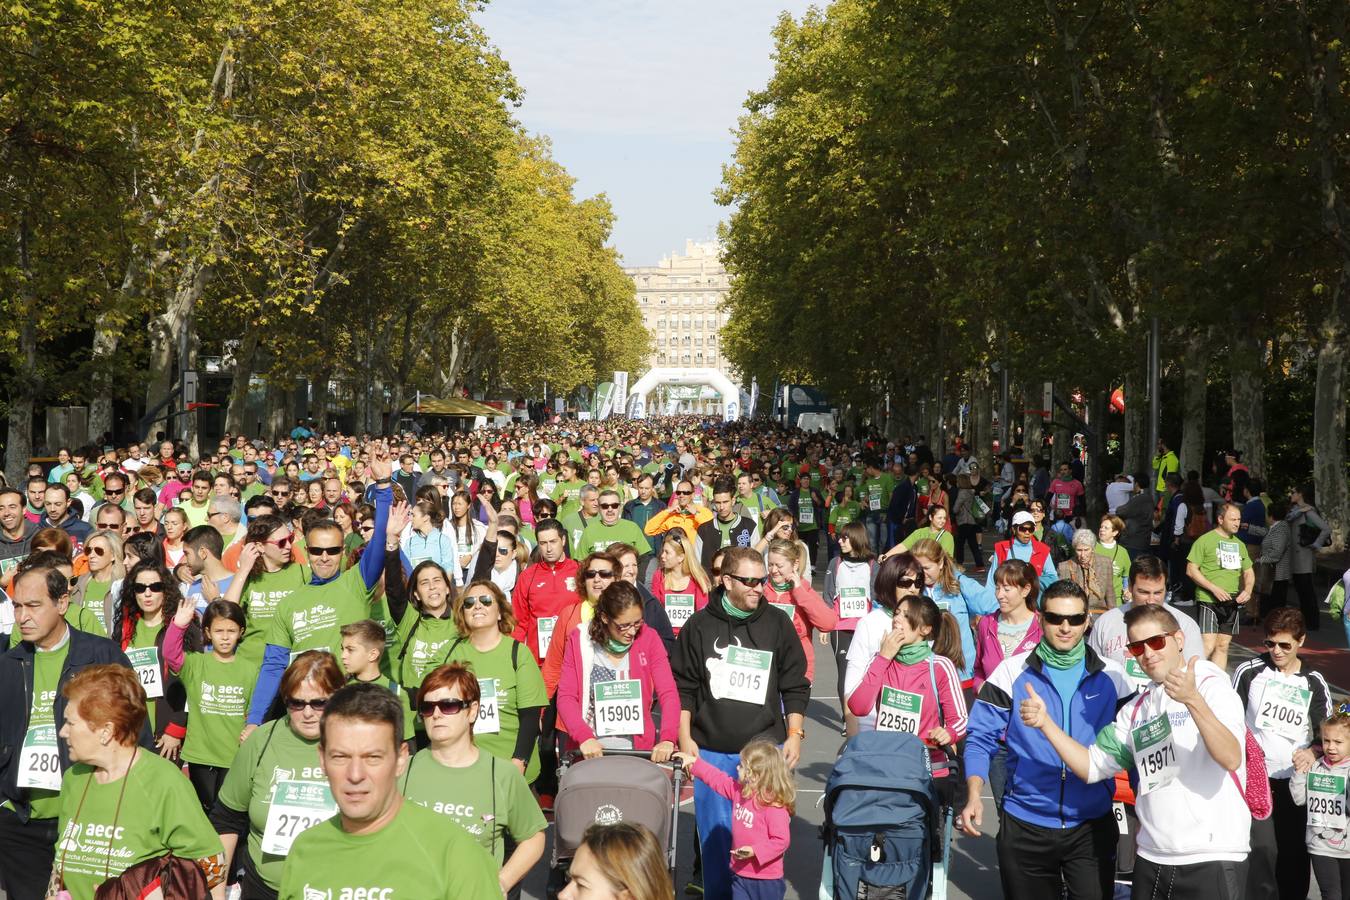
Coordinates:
(1022, 517)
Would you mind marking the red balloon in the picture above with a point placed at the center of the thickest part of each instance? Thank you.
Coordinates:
(1118, 400)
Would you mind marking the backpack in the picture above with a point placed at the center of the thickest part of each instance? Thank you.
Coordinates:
(881, 817)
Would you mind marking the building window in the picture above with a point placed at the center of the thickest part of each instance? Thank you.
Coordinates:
(686, 359)
(712, 340)
(698, 342)
(661, 359)
(660, 323)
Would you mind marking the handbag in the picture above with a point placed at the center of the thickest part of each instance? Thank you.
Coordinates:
(1265, 578)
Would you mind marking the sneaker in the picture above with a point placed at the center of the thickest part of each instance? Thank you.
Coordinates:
(546, 802)
(694, 888)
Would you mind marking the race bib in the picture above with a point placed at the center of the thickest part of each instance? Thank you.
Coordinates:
(1326, 802)
(489, 711)
(1154, 756)
(1284, 710)
(546, 626)
(786, 609)
(39, 761)
(1063, 502)
(853, 603)
(618, 708)
(1136, 673)
(145, 660)
(874, 497)
(296, 805)
(899, 711)
(1230, 555)
(1118, 811)
(742, 674)
(679, 609)
(806, 513)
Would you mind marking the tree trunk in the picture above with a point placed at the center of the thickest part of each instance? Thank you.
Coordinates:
(321, 400)
(1032, 423)
(1247, 383)
(107, 334)
(191, 427)
(165, 331)
(1134, 456)
(275, 410)
(1195, 383)
(1093, 484)
(980, 426)
(22, 390)
(244, 361)
(1329, 476)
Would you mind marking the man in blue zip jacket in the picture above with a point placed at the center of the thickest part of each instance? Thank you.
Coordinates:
(1056, 831)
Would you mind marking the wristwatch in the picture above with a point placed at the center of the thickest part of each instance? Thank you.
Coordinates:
(799, 732)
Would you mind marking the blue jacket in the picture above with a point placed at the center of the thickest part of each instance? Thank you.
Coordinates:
(1041, 790)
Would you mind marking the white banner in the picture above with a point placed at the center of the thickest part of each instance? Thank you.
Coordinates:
(619, 399)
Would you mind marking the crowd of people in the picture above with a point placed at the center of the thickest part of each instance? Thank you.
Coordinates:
(306, 657)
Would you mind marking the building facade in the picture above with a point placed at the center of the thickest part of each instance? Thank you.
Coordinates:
(681, 299)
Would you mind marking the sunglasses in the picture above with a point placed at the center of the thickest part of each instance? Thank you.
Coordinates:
(1075, 620)
(366, 526)
(1286, 646)
(145, 587)
(1154, 643)
(483, 600)
(599, 573)
(749, 581)
(445, 707)
(295, 704)
(684, 493)
(908, 581)
(323, 551)
(98, 551)
(503, 551)
(281, 495)
(283, 543)
(609, 506)
(1025, 528)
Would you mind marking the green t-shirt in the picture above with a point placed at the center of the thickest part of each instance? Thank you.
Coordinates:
(518, 688)
(788, 471)
(409, 722)
(85, 619)
(487, 799)
(95, 593)
(567, 494)
(106, 829)
(420, 645)
(144, 635)
(414, 857)
(311, 618)
(943, 537)
(272, 753)
(598, 536)
(1120, 561)
(806, 510)
(756, 506)
(196, 515)
(47, 666)
(261, 599)
(218, 694)
(1221, 561)
(843, 513)
(576, 526)
(875, 493)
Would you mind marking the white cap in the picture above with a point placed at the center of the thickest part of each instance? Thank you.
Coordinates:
(1022, 517)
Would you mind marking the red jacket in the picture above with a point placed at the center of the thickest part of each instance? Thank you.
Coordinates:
(1040, 554)
(648, 664)
(810, 612)
(542, 591)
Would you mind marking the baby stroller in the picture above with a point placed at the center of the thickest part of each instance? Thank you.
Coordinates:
(621, 786)
(887, 828)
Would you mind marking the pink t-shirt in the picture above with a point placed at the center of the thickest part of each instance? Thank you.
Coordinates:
(764, 829)
(1065, 495)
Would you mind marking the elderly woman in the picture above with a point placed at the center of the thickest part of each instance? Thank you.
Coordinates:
(123, 806)
(482, 794)
(1091, 571)
(278, 761)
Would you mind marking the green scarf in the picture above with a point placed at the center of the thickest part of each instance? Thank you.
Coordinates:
(733, 610)
(782, 588)
(618, 648)
(1061, 659)
(914, 653)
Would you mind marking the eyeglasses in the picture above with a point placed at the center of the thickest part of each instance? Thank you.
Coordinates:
(1075, 620)
(749, 581)
(295, 704)
(282, 543)
(145, 587)
(445, 707)
(482, 600)
(1286, 646)
(627, 627)
(1154, 643)
(908, 581)
(599, 573)
(323, 551)
(609, 506)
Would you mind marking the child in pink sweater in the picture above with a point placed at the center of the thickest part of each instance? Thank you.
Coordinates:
(763, 799)
(925, 697)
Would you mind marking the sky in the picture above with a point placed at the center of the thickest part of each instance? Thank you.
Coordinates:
(640, 99)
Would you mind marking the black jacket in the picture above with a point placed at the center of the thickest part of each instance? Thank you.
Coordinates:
(710, 538)
(16, 700)
(723, 725)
